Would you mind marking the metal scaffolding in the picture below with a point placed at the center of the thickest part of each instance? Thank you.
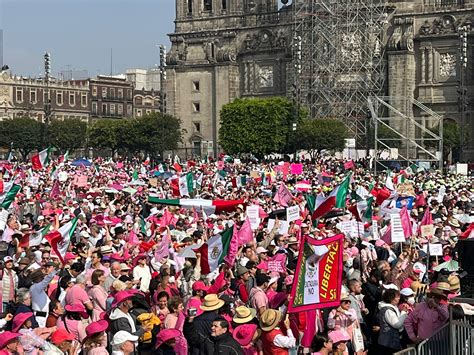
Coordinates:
(339, 57)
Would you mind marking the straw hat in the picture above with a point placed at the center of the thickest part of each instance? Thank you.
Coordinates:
(443, 286)
(437, 293)
(270, 319)
(244, 314)
(454, 283)
(211, 303)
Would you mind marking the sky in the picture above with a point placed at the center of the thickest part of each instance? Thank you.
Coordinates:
(79, 34)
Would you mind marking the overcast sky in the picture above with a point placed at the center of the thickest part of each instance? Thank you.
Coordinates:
(80, 33)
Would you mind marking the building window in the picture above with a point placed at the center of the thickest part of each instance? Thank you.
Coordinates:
(190, 6)
(84, 100)
(112, 109)
(19, 95)
(94, 91)
(104, 93)
(59, 98)
(207, 5)
(148, 112)
(129, 110)
(224, 4)
(33, 96)
(196, 107)
(129, 94)
(104, 109)
(196, 85)
(120, 93)
(139, 113)
(112, 93)
(197, 126)
(94, 108)
(138, 100)
(46, 96)
(72, 99)
(120, 109)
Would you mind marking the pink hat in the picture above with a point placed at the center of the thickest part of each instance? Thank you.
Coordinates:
(165, 335)
(96, 327)
(200, 286)
(379, 243)
(69, 256)
(122, 296)
(20, 319)
(77, 308)
(244, 333)
(8, 337)
(277, 300)
(338, 335)
(138, 258)
(354, 251)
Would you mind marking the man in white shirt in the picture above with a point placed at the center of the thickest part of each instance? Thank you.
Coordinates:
(39, 298)
(142, 273)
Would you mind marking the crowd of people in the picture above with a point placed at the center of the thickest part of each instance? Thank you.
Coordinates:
(92, 265)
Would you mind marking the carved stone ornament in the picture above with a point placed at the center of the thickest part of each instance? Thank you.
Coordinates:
(446, 24)
(402, 36)
(264, 40)
(351, 47)
(265, 76)
(447, 65)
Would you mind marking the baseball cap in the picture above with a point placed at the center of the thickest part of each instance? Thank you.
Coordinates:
(122, 336)
(61, 335)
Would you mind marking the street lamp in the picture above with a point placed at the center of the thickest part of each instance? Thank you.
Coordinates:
(462, 89)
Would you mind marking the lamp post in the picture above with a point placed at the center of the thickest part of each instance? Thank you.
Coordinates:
(462, 89)
(47, 101)
(162, 97)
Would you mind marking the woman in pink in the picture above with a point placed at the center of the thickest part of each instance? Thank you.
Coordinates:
(247, 336)
(72, 320)
(97, 294)
(96, 341)
(175, 306)
(199, 291)
(343, 317)
(272, 286)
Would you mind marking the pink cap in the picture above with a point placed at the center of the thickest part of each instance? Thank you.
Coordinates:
(200, 286)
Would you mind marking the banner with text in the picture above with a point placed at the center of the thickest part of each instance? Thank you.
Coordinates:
(318, 277)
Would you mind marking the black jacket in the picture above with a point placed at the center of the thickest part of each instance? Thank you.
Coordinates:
(207, 345)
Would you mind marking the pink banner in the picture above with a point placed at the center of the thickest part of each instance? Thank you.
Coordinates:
(296, 168)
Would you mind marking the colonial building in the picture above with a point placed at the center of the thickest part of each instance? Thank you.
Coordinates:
(224, 49)
(21, 97)
(145, 102)
(111, 97)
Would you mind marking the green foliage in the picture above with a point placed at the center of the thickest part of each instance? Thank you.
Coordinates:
(104, 134)
(256, 126)
(451, 135)
(25, 133)
(67, 134)
(383, 133)
(152, 133)
(315, 135)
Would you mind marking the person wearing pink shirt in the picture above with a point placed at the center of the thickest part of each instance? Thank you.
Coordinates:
(78, 294)
(72, 321)
(97, 294)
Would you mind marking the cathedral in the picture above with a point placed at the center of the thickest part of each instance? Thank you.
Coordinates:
(226, 49)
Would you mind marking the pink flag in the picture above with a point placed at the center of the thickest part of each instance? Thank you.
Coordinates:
(296, 168)
(427, 219)
(406, 222)
(55, 191)
(283, 196)
(233, 248)
(163, 249)
(132, 238)
(119, 165)
(261, 213)
(168, 219)
(349, 165)
(245, 234)
(310, 328)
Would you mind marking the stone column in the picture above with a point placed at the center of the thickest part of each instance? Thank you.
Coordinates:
(430, 64)
(423, 67)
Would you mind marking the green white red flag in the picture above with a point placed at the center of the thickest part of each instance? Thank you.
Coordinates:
(8, 191)
(41, 159)
(61, 239)
(318, 276)
(214, 251)
(211, 206)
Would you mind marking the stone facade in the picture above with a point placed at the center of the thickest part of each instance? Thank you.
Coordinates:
(20, 97)
(224, 49)
(111, 97)
(145, 102)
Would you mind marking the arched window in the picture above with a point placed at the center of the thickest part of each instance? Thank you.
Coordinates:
(224, 4)
(190, 6)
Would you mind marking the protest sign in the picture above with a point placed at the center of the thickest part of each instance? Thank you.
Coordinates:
(3, 219)
(292, 213)
(80, 180)
(282, 229)
(252, 214)
(398, 236)
(375, 230)
(427, 231)
(318, 277)
(277, 263)
(296, 168)
(435, 249)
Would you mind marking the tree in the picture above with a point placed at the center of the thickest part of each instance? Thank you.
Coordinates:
(157, 132)
(25, 133)
(256, 126)
(451, 137)
(383, 133)
(315, 135)
(104, 134)
(68, 134)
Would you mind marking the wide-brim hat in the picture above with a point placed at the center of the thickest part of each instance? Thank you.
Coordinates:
(97, 327)
(20, 319)
(437, 293)
(121, 296)
(443, 286)
(244, 333)
(244, 314)
(8, 337)
(166, 334)
(77, 308)
(211, 303)
(270, 319)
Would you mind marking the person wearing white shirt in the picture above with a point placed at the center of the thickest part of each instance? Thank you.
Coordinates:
(39, 298)
(142, 273)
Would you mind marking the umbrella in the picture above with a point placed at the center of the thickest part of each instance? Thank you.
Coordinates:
(81, 162)
(451, 265)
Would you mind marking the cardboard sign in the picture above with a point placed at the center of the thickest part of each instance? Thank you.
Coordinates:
(427, 231)
(406, 189)
(396, 228)
(435, 249)
(252, 214)
(292, 213)
(3, 219)
(283, 228)
(461, 169)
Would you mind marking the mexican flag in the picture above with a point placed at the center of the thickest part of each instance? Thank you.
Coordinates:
(214, 251)
(186, 184)
(34, 239)
(135, 175)
(60, 239)
(64, 158)
(41, 160)
(210, 206)
(336, 199)
(8, 191)
(239, 181)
